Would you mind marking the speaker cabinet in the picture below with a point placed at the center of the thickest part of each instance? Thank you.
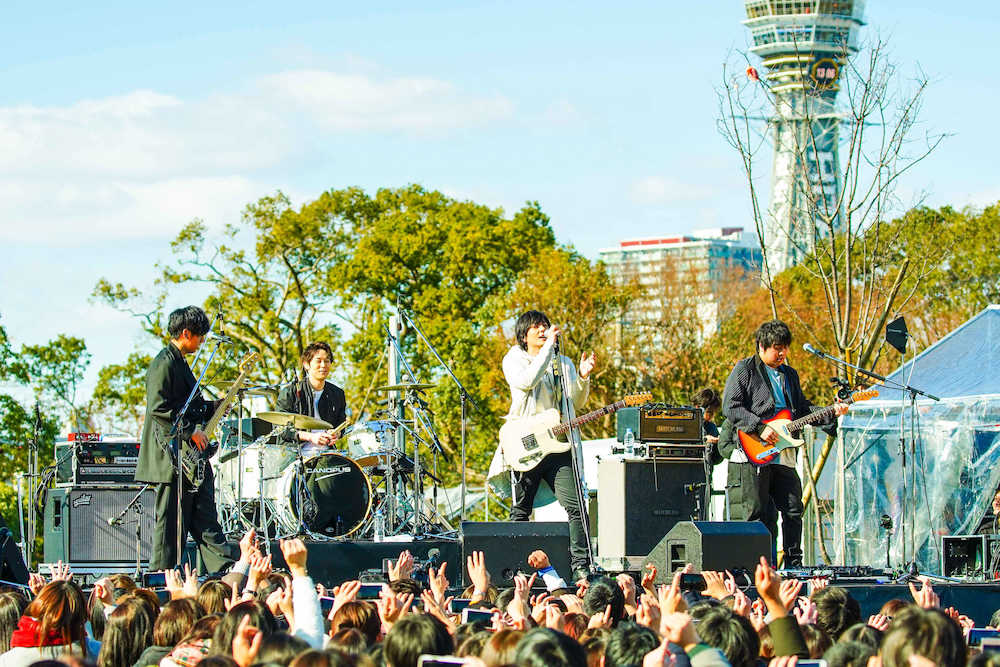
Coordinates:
(507, 545)
(77, 528)
(639, 501)
(710, 545)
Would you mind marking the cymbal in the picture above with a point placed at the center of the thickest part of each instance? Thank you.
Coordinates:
(260, 390)
(405, 386)
(301, 422)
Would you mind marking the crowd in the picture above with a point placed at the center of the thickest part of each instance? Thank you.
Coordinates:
(256, 615)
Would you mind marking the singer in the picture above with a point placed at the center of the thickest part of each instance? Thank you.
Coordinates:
(529, 368)
(757, 388)
(169, 381)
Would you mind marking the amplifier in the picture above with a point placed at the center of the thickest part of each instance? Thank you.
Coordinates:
(639, 501)
(661, 423)
(77, 528)
(92, 458)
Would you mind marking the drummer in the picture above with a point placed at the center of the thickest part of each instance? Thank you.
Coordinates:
(315, 397)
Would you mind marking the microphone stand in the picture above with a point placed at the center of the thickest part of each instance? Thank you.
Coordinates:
(463, 394)
(134, 504)
(576, 450)
(907, 509)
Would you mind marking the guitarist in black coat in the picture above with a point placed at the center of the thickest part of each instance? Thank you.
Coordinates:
(314, 396)
(757, 388)
(169, 381)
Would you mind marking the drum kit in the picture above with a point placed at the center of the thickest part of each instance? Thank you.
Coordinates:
(363, 486)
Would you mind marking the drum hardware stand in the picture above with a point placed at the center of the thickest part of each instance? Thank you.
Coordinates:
(464, 397)
(137, 508)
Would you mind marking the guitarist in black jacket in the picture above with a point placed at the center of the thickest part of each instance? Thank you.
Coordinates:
(757, 388)
(169, 381)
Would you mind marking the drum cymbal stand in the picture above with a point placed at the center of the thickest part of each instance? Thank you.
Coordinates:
(422, 416)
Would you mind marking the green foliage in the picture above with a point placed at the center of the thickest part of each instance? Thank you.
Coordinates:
(54, 371)
(120, 394)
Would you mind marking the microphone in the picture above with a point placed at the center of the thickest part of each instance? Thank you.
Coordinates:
(555, 357)
(812, 350)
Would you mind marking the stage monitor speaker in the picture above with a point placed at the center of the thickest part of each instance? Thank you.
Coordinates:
(710, 545)
(638, 502)
(12, 567)
(77, 527)
(507, 545)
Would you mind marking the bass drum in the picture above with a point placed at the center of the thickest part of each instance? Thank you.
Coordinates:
(336, 495)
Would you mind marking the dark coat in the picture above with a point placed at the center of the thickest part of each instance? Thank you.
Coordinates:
(169, 380)
(297, 397)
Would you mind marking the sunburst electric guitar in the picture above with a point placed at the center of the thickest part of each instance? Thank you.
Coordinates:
(526, 441)
(760, 451)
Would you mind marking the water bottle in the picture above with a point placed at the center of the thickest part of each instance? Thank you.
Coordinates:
(379, 525)
(629, 442)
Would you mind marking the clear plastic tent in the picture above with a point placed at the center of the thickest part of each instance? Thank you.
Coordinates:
(953, 456)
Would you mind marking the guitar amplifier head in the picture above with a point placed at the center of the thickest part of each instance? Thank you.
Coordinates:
(660, 423)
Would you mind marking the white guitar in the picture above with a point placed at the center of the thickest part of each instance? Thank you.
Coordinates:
(526, 441)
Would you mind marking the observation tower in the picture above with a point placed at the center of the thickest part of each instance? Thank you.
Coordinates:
(804, 44)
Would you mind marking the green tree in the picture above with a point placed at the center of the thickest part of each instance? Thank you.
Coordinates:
(119, 397)
(54, 371)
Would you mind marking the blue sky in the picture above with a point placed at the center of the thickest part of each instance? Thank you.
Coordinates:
(122, 121)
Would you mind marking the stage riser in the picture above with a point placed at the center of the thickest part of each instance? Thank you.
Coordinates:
(977, 601)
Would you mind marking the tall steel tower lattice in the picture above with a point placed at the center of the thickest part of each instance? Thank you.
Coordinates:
(804, 45)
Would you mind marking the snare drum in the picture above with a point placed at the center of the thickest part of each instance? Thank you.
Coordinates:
(276, 458)
(339, 491)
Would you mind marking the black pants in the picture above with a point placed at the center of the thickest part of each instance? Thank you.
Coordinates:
(557, 471)
(758, 494)
(199, 518)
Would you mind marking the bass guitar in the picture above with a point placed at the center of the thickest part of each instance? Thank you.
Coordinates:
(194, 461)
(760, 451)
(526, 441)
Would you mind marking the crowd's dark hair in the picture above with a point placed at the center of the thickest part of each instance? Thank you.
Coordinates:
(864, 633)
(707, 399)
(260, 618)
(203, 628)
(331, 657)
(361, 615)
(816, 640)
(471, 644)
(406, 585)
(628, 645)
(575, 624)
(12, 605)
(602, 592)
(849, 654)
(60, 608)
(280, 648)
(774, 332)
(527, 320)
(128, 633)
(732, 634)
(176, 619)
(349, 640)
(212, 596)
(191, 318)
(542, 647)
(926, 632)
(218, 660)
(312, 349)
(501, 648)
(414, 635)
(503, 599)
(836, 610)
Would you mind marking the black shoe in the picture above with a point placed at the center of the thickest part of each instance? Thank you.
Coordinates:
(580, 573)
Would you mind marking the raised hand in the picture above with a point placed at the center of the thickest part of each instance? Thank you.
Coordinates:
(627, 584)
(670, 597)
(346, 592)
(789, 592)
(768, 584)
(294, 551)
(538, 559)
(173, 584)
(36, 582)
(879, 622)
(102, 589)
(715, 584)
(806, 612)
(248, 545)
(285, 605)
(438, 582)
(741, 604)
(260, 567)
(601, 620)
(436, 609)
(649, 579)
(60, 572)
(391, 607)
(679, 628)
(587, 364)
(246, 643)
(190, 581)
(480, 577)
(554, 618)
(518, 607)
(648, 613)
(925, 597)
(402, 568)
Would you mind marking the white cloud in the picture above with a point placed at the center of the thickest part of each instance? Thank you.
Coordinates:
(356, 102)
(662, 190)
(143, 163)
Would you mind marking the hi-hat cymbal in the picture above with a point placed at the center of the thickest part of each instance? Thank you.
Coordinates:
(406, 386)
(301, 422)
